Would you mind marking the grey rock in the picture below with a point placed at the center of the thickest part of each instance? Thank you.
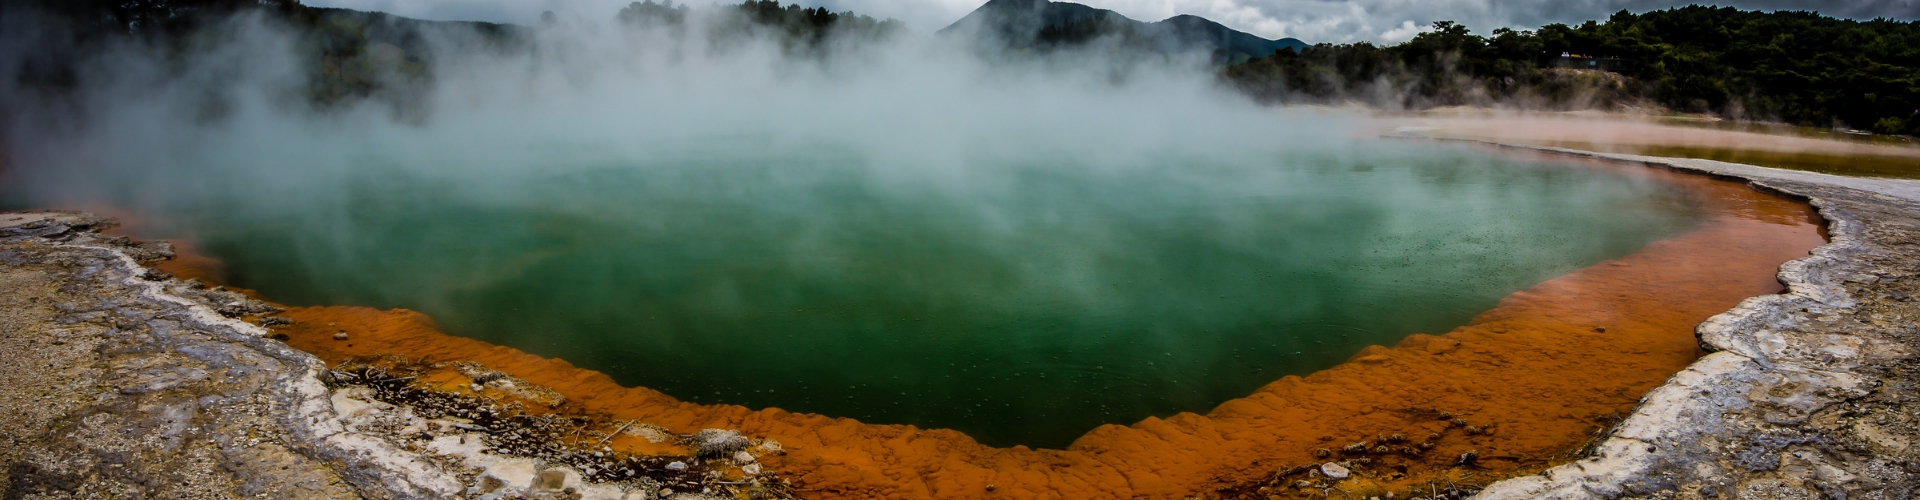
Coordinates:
(1334, 471)
(1806, 394)
(153, 392)
(718, 443)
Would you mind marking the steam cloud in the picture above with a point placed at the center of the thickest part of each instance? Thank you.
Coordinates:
(151, 131)
(600, 129)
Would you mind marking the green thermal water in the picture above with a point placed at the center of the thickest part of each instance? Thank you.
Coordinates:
(1021, 303)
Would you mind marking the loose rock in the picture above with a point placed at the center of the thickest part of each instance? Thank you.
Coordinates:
(1334, 471)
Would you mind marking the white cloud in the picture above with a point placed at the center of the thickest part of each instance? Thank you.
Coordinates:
(1404, 32)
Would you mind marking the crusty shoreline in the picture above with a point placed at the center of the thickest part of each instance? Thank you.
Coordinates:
(1807, 394)
(163, 395)
(120, 381)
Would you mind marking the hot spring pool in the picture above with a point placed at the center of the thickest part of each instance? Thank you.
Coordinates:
(1019, 302)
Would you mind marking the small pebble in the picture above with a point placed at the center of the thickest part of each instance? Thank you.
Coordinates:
(677, 466)
(751, 469)
(743, 457)
(340, 336)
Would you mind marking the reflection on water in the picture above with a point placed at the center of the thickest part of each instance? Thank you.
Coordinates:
(1021, 303)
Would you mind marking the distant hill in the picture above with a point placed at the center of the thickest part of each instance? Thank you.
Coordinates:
(1043, 24)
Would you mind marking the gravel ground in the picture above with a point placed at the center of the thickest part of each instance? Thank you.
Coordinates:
(117, 383)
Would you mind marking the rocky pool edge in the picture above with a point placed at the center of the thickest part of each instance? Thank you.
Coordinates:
(179, 380)
(1806, 394)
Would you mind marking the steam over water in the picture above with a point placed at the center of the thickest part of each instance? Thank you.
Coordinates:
(1018, 250)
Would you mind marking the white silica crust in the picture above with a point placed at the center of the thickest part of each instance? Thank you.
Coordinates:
(370, 463)
(1804, 394)
(1778, 407)
(142, 350)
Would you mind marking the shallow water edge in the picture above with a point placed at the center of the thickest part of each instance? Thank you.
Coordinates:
(1248, 447)
(1477, 389)
(1805, 394)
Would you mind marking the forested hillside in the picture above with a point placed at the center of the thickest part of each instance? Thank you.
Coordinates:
(356, 56)
(1047, 26)
(1798, 67)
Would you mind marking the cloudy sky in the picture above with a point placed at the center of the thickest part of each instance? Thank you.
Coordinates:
(1309, 20)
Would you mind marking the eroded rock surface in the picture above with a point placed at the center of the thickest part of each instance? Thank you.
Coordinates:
(1809, 394)
(119, 381)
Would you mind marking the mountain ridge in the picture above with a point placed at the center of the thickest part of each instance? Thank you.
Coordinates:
(1030, 24)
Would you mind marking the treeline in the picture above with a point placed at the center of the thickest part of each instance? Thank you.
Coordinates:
(1798, 67)
(94, 19)
(799, 30)
(351, 56)
(355, 56)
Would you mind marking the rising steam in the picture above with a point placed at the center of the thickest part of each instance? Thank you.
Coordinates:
(150, 126)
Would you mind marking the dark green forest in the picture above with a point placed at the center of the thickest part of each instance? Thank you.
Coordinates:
(1797, 67)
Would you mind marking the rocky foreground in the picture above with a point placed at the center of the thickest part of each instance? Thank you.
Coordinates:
(120, 381)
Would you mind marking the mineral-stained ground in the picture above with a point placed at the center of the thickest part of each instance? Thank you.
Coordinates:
(1808, 394)
(117, 380)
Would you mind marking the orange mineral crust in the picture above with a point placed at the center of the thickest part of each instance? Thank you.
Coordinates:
(187, 263)
(1523, 385)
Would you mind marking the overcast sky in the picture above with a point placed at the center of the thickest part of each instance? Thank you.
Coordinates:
(1310, 20)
